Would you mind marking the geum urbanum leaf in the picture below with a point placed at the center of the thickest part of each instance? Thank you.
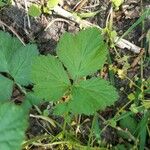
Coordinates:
(8, 46)
(82, 54)
(20, 65)
(13, 123)
(16, 59)
(92, 95)
(51, 80)
(30, 100)
(6, 87)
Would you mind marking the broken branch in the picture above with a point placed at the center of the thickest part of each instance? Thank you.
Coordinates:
(121, 43)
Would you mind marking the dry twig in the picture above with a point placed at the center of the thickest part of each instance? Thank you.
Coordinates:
(13, 31)
(121, 43)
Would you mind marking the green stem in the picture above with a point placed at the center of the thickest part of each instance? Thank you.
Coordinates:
(111, 75)
(65, 124)
(37, 138)
(22, 90)
(133, 83)
(52, 144)
(91, 131)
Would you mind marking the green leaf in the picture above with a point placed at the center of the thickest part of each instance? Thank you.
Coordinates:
(117, 3)
(30, 100)
(13, 123)
(92, 95)
(8, 46)
(96, 128)
(142, 130)
(120, 147)
(131, 96)
(20, 65)
(124, 123)
(51, 80)
(16, 59)
(83, 53)
(6, 87)
(3, 63)
(61, 109)
(52, 3)
(88, 14)
(5, 2)
(34, 10)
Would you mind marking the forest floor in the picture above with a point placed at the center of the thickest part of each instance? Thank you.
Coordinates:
(136, 67)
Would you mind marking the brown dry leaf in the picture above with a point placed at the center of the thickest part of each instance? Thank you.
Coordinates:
(137, 59)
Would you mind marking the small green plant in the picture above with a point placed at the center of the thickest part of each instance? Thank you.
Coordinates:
(78, 56)
(36, 10)
(117, 3)
(15, 70)
(82, 55)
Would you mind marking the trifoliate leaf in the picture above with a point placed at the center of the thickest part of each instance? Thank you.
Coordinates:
(92, 95)
(6, 87)
(34, 10)
(51, 80)
(13, 123)
(83, 53)
(15, 58)
(20, 65)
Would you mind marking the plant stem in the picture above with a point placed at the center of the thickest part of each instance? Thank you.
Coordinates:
(37, 138)
(64, 125)
(133, 83)
(23, 91)
(111, 75)
(121, 43)
(142, 58)
(91, 131)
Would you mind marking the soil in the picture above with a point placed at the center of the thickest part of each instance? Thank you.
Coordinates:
(15, 17)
